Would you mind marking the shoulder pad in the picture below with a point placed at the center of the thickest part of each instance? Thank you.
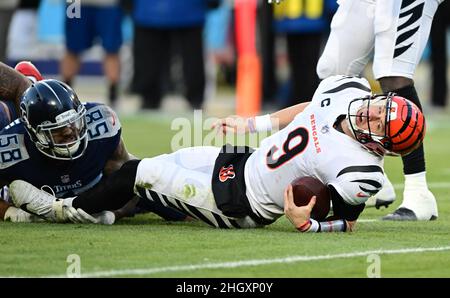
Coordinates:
(12, 150)
(102, 122)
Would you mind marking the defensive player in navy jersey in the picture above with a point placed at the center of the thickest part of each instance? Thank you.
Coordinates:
(59, 144)
(12, 84)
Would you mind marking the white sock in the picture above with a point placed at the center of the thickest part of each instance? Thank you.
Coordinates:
(418, 180)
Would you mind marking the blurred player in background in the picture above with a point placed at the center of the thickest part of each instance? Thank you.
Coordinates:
(98, 19)
(238, 187)
(12, 85)
(394, 33)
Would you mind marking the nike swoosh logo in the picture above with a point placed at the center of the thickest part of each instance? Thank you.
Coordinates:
(24, 208)
(362, 195)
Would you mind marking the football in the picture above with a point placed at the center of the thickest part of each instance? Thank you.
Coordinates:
(304, 188)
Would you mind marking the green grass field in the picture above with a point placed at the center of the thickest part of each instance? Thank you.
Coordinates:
(147, 246)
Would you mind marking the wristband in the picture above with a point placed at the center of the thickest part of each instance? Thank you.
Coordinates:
(304, 227)
(311, 226)
(251, 125)
(263, 123)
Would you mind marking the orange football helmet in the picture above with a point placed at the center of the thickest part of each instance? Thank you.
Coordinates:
(404, 124)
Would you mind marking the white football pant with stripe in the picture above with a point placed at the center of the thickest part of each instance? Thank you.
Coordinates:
(182, 180)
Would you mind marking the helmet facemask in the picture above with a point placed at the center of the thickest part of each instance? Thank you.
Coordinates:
(65, 139)
(358, 109)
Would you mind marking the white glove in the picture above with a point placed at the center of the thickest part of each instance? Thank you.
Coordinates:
(14, 214)
(80, 216)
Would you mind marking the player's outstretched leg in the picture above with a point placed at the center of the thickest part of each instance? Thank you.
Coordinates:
(419, 202)
(400, 39)
(46, 206)
(36, 201)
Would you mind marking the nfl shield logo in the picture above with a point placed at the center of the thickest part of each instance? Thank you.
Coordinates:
(65, 179)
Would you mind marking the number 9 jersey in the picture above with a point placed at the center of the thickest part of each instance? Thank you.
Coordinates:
(311, 146)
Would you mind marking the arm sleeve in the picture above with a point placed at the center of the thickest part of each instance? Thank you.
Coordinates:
(342, 210)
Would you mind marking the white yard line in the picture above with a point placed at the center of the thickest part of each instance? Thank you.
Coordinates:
(256, 262)
(368, 220)
(430, 185)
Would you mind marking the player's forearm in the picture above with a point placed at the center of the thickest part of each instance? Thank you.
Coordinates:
(12, 84)
(285, 116)
(118, 158)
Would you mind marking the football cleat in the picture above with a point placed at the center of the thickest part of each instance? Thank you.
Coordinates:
(384, 197)
(29, 70)
(418, 204)
(35, 201)
(14, 214)
(401, 214)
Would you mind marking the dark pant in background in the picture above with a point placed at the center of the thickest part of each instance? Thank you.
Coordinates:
(152, 51)
(304, 52)
(439, 61)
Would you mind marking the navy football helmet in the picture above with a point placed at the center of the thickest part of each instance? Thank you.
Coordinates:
(55, 119)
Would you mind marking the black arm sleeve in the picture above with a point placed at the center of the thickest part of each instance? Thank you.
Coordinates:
(342, 210)
(112, 193)
(166, 213)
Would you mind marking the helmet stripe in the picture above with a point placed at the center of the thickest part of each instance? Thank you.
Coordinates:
(348, 85)
(419, 137)
(362, 169)
(407, 120)
(51, 89)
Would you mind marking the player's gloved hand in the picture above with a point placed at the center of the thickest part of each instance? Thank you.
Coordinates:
(14, 214)
(80, 216)
(299, 216)
(231, 124)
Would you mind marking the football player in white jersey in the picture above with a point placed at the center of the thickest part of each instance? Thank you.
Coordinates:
(394, 33)
(340, 138)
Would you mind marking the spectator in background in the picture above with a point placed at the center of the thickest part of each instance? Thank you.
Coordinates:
(22, 37)
(99, 19)
(6, 11)
(219, 47)
(304, 23)
(157, 22)
(439, 59)
(267, 50)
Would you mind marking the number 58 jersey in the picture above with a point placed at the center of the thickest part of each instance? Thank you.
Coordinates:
(311, 146)
(20, 159)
